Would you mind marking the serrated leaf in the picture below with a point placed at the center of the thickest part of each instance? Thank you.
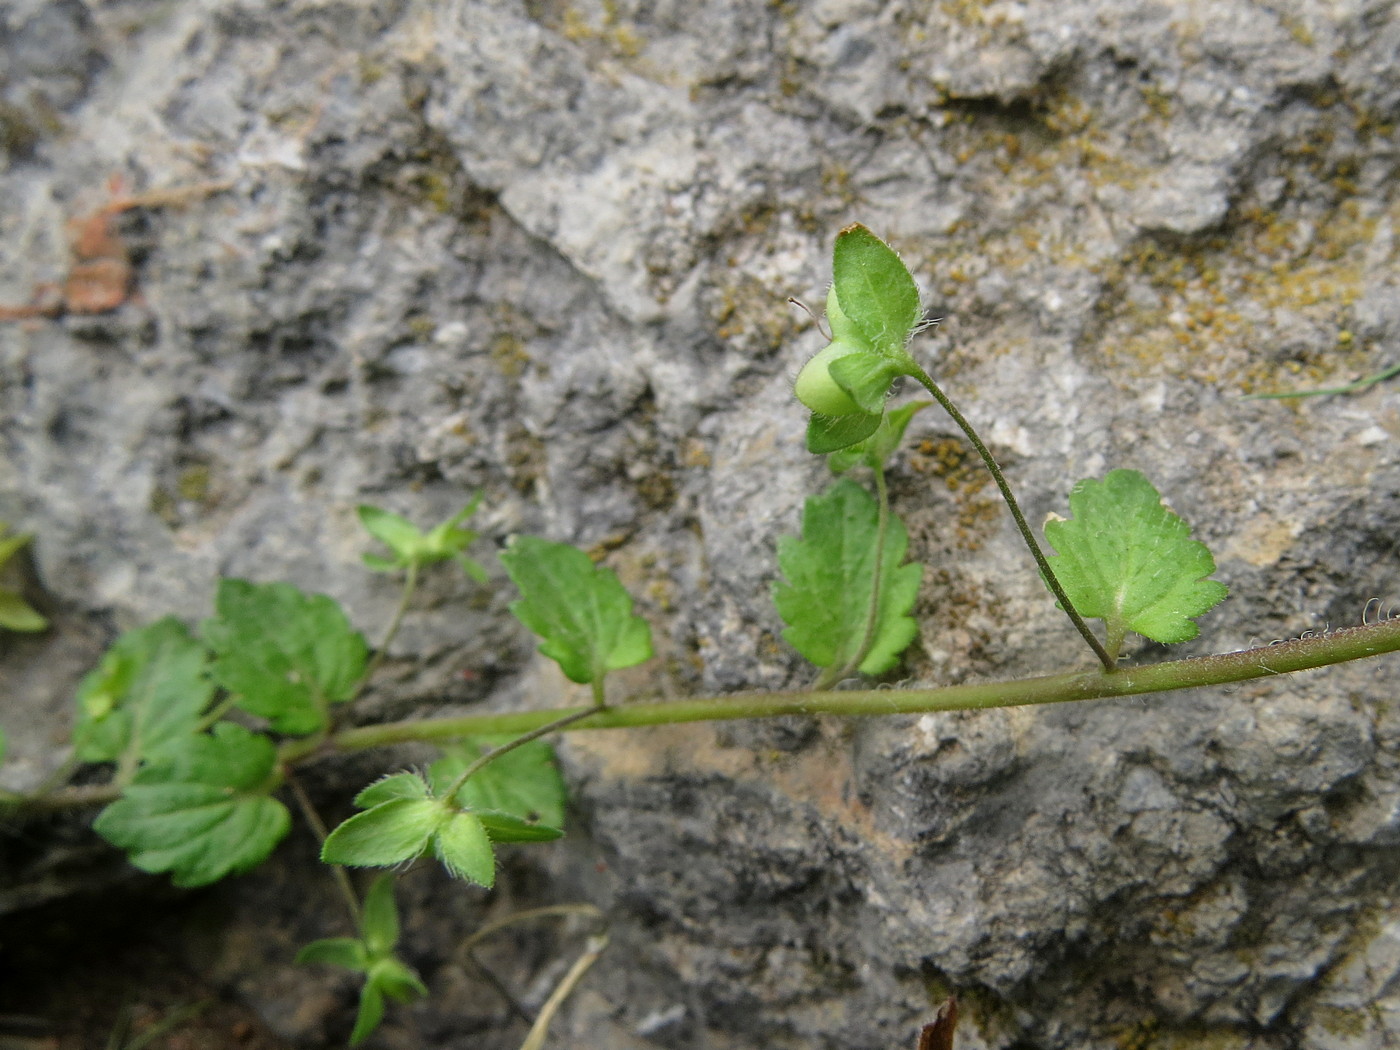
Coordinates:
(150, 689)
(1127, 559)
(874, 289)
(397, 785)
(16, 614)
(286, 655)
(523, 784)
(379, 919)
(833, 433)
(581, 610)
(202, 810)
(346, 952)
(390, 833)
(831, 573)
(465, 849)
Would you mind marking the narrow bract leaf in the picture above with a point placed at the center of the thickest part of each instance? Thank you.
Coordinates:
(201, 811)
(150, 689)
(581, 610)
(371, 1012)
(874, 289)
(465, 850)
(286, 655)
(831, 574)
(379, 919)
(390, 833)
(833, 433)
(1125, 558)
(16, 614)
(345, 952)
(398, 785)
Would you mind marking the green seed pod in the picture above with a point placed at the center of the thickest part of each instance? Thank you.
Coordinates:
(817, 390)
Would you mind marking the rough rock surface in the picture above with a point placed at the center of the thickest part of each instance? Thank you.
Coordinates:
(541, 249)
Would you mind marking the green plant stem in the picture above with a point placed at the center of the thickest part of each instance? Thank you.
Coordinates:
(342, 880)
(1051, 580)
(1299, 654)
(837, 672)
(410, 584)
(1351, 643)
(1348, 388)
(532, 733)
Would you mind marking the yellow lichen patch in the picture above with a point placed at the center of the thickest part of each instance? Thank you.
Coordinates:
(1216, 308)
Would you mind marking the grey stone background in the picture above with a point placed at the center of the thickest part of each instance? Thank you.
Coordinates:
(541, 249)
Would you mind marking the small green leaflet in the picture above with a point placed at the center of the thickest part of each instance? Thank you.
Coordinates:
(412, 547)
(201, 810)
(150, 689)
(372, 954)
(1127, 559)
(875, 290)
(404, 820)
(831, 575)
(16, 614)
(286, 655)
(581, 610)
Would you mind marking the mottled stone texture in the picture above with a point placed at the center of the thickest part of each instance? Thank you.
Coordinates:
(541, 249)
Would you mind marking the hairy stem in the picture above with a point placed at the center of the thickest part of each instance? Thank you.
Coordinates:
(1352, 643)
(410, 584)
(1051, 580)
(318, 826)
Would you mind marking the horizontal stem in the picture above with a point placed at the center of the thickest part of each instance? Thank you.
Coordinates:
(1352, 643)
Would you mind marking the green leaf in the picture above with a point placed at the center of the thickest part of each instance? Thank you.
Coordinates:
(1125, 558)
(465, 849)
(876, 450)
(832, 573)
(150, 689)
(390, 833)
(346, 952)
(581, 610)
(16, 614)
(833, 433)
(371, 1012)
(396, 980)
(411, 546)
(286, 655)
(875, 290)
(379, 920)
(523, 784)
(10, 545)
(866, 378)
(202, 810)
(3, 744)
(398, 785)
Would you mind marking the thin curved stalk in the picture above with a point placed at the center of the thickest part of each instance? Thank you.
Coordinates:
(1051, 580)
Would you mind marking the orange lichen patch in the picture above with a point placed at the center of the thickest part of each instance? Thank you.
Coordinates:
(100, 274)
